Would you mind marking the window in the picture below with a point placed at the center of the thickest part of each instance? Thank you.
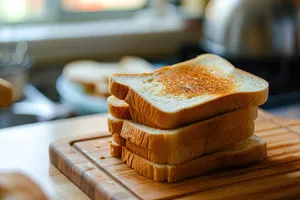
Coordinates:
(20, 11)
(96, 5)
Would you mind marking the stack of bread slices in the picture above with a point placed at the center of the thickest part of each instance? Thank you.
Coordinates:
(187, 119)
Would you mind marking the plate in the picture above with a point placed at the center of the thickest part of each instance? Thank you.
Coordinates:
(74, 95)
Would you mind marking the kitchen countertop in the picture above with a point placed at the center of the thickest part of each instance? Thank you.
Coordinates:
(25, 149)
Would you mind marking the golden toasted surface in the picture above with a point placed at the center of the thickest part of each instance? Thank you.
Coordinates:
(193, 81)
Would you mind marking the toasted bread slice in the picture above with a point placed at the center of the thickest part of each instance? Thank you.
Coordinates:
(188, 92)
(115, 149)
(118, 108)
(114, 124)
(157, 139)
(245, 153)
(186, 153)
(180, 145)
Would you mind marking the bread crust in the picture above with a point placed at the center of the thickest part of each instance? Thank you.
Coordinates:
(156, 118)
(115, 149)
(199, 166)
(188, 143)
(195, 149)
(118, 108)
(144, 112)
(208, 129)
(114, 125)
(118, 139)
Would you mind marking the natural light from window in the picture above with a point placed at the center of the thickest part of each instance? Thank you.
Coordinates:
(100, 5)
(18, 11)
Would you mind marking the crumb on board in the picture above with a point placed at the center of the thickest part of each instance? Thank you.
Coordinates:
(91, 165)
(111, 182)
(102, 157)
(110, 141)
(97, 145)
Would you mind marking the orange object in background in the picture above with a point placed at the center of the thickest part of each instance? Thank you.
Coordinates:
(89, 6)
(6, 93)
(94, 6)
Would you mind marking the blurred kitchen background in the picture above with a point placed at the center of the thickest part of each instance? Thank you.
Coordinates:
(58, 53)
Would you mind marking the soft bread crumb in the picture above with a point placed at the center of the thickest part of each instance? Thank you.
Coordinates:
(97, 145)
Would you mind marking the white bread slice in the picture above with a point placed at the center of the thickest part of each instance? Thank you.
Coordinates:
(114, 124)
(89, 72)
(115, 149)
(178, 155)
(245, 153)
(187, 92)
(101, 89)
(191, 151)
(157, 139)
(128, 64)
(186, 145)
(133, 64)
(94, 76)
(118, 108)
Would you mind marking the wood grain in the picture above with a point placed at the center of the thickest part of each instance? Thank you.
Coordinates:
(109, 178)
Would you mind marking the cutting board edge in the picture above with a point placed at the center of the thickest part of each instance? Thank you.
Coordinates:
(72, 170)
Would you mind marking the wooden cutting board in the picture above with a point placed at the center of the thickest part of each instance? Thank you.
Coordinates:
(278, 177)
